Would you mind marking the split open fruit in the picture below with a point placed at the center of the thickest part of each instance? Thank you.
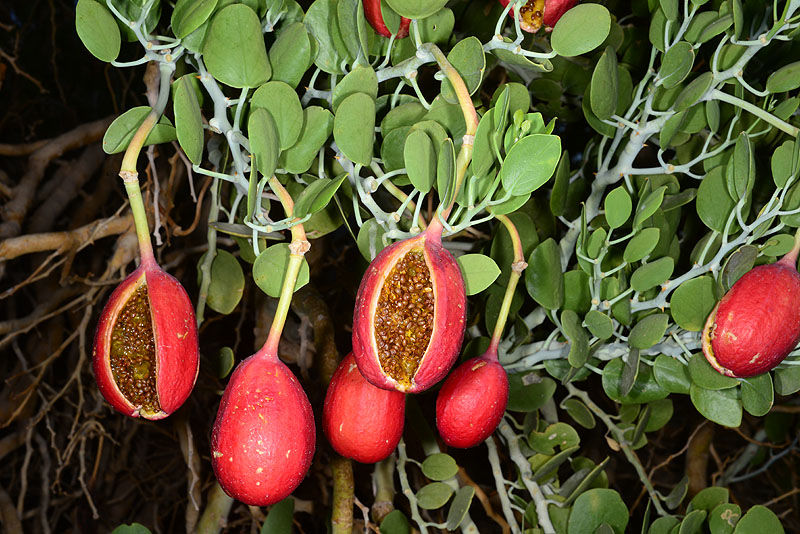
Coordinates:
(145, 355)
(410, 312)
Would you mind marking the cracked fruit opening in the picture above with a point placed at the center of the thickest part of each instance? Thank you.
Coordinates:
(133, 353)
(404, 317)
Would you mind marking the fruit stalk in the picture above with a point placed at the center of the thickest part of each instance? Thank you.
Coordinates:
(297, 248)
(470, 119)
(517, 266)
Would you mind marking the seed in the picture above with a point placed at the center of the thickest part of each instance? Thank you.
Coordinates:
(404, 317)
(133, 352)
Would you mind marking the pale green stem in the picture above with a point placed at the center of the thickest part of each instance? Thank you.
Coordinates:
(470, 119)
(623, 444)
(517, 266)
(297, 248)
(757, 111)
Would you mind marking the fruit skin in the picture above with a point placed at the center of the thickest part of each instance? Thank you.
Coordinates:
(757, 322)
(175, 334)
(472, 401)
(450, 309)
(551, 11)
(263, 438)
(372, 11)
(361, 421)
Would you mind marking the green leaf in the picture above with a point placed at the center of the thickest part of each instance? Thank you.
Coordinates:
(648, 206)
(645, 389)
(317, 126)
(691, 303)
(715, 28)
(269, 270)
(354, 128)
(317, 195)
(706, 376)
(370, 239)
(543, 277)
(599, 324)
(459, 507)
(757, 394)
(189, 15)
(234, 51)
(445, 171)
(560, 190)
(642, 244)
(787, 380)
(290, 54)
(692, 93)
(223, 365)
(395, 523)
(97, 29)
(713, 203)
(781, 163)
(720, 406)
(663, 525)
(758, 520)
(469, 60)
(629, 373)
(529, 392)
(133, 528)
(709, 498)
(737, 265)
(479, 272)
(279, 518)
(671, 374)
(723, 518)
(678, 493)
(530, 163)
(670, 9)
(420, 160)
(581, 29)
(188, 119)
(660, 413)
(439, 466)
(786, 78)
(595, 507)
(227, 282)
(579, 412)
(361, 79)
(693, 522)
(280, 99)
(605, 85)
(618, 207)
(321, 21)
(264, 141)
(434, 495)
(121, 131)
(416, 9)
(556, 436)
(648, 331)
(652, 274)
(578, 340)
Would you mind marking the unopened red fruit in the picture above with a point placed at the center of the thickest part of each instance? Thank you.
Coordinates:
(372, 11)
(537, 13)
(263, 438)
(409, 318)
(361, 421)
(145, 355)
(757, 322)
(471, 402)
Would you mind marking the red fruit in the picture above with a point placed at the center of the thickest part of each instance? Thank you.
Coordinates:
(409, 318)
(757, 322)
(263, 438)
(536, 13)
(361, 421)
(145, 355)
(472, 401)
(372, 11)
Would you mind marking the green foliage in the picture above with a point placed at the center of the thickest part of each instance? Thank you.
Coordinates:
(631, 237)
